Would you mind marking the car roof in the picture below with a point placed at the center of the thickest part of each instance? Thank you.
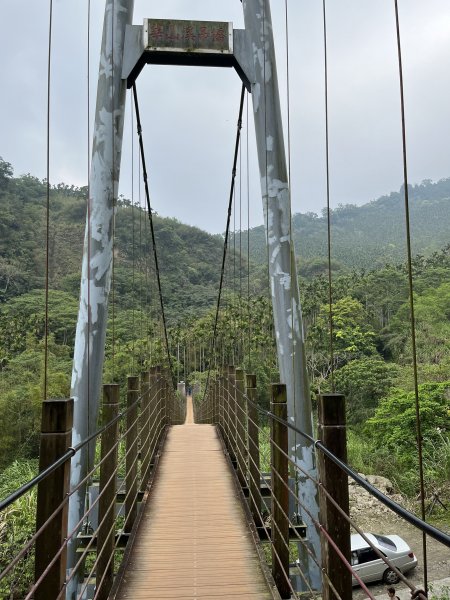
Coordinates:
(357, 541)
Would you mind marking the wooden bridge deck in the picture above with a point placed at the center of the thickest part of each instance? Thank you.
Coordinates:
(193, 541)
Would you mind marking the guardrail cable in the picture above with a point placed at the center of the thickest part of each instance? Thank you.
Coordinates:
(233, 414)
(155, 413)
(434, 532)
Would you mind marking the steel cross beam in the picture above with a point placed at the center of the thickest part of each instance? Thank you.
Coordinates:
(138, 52)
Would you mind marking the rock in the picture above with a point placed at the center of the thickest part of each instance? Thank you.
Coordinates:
(382, 483)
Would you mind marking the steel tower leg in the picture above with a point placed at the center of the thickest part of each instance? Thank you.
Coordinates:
(282, 265)
(89, 349)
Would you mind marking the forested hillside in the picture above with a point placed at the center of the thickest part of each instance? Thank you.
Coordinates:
(371, 235)
(371, 339)
(189, 258)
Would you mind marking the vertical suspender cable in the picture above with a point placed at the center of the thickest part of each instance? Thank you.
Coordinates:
(88, 211)
(241, 340)
(47, 230)
(114, 202)
(233, 302)
(147, 302)
(141, 304)
(266, 190)
(133, 241)
(327, 160)
(411, 296)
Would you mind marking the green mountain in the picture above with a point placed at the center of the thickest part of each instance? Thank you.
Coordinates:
(363, 237)
(189, 259)
(371, 235)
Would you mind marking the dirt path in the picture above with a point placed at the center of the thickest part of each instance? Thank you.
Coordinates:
(438, 555)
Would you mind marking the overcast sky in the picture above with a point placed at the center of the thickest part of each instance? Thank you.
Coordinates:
(189, 115)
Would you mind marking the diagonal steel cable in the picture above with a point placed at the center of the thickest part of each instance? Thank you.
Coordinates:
(152, 229)
(227, 232)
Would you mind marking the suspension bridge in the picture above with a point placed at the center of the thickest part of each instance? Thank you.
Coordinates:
(146, 492)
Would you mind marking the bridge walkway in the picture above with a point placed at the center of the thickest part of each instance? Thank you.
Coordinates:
(193, 541)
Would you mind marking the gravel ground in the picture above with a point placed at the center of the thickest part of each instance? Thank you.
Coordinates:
(375, 518)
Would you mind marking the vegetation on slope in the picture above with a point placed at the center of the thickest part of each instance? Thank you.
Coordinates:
(368, 236)
(372, 347)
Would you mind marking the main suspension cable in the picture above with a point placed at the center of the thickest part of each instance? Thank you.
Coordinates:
(227, 232)
(89, 228)
(152, 229)
(248, 242)
(133, 243)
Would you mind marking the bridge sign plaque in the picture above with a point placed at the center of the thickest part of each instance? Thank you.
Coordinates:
(168, 35)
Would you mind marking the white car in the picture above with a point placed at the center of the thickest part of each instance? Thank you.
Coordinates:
(370, 567)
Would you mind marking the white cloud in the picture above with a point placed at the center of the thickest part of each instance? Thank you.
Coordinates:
(190, 115)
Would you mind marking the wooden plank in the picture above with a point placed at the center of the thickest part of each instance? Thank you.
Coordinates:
(193, 541)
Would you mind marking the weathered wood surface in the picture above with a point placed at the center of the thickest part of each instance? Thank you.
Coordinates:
(193, 541)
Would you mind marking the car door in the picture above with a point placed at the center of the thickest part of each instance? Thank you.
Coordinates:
(369, 566)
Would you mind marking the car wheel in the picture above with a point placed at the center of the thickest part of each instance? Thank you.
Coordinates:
(390, 576)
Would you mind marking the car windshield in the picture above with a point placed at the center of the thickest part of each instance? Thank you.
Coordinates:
(384, 541)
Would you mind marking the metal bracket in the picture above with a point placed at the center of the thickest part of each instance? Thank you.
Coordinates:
(135, 56)
(244, 66)
(133, 53)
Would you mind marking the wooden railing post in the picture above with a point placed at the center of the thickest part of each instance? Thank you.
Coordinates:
(175, 407)
(179, 405)
(212, 403)
(182, 400)
(168, 407)
(56, 438)
(107, 493)
(159, 414)
(332, 432)
(221, 405)
(254, 469)
(165, 396)
(226, 407)
(232, 404)
(199, 410)
(210, 414)
(153, 412)
(131, 460)
(206, 408)
(280, 500)
(145, 428)
(216, 402)
(241, 438)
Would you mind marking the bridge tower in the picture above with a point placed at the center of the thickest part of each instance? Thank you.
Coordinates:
(126, 48)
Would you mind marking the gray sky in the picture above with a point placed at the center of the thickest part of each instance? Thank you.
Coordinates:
(189, 115)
